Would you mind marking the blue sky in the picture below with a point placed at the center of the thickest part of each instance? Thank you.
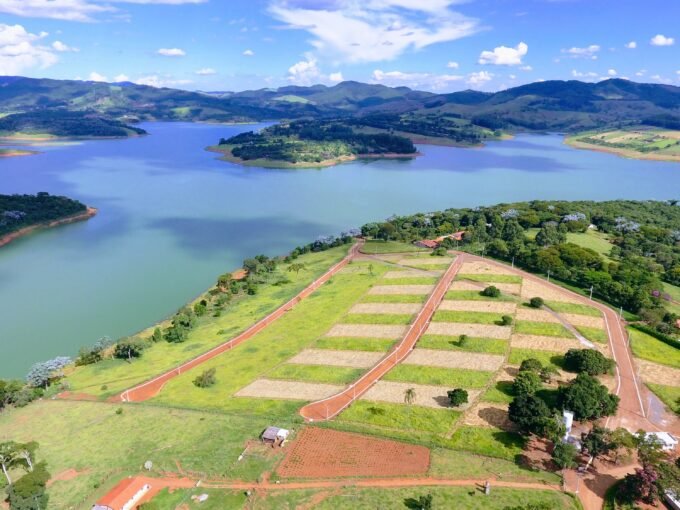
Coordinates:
(438, 45)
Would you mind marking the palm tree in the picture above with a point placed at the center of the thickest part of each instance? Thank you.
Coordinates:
(8, 456)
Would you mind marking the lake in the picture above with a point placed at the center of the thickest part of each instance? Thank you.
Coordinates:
(172, 218)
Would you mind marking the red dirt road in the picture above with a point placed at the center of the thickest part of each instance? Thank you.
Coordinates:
(329, 407)
(151, 388)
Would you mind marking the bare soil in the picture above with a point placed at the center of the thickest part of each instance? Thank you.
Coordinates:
(401, 289)
(368, 330)
(413, 273)
(583, 320)
(266, 388)
(478, 306)
(473, 330)
(658, 374)
(454, 359)
(532, 288)
(488, 415)
(534, 315)
(544, 343)
(356, 359)
(481, 267)
(393, 308)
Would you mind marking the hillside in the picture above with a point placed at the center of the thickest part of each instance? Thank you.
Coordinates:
(64, 123)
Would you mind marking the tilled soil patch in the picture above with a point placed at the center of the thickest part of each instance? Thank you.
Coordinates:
(354, 359)
(480, 267)
(658, 374)
(583, 320)
(535, 315)
(267, 388)
(531, 288)
(426, 395)
(454, 359)
(544, 343)
(478, 306)
(473, 330)
(489, 415)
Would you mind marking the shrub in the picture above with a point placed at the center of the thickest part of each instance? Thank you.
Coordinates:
(564, 455)
(206, 378)
(491, 291)
(457, 397)
(536, 302)
(439, 252)
(506, 320)
(531, 365)
(590, 361)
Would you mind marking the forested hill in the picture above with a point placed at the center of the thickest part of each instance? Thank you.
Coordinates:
(19, 211)
(64, 123)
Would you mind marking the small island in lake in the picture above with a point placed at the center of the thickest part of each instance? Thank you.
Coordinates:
(22, 214)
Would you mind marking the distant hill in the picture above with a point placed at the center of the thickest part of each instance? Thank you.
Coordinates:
(64, 123)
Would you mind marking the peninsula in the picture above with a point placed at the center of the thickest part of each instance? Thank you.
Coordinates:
(637, 143)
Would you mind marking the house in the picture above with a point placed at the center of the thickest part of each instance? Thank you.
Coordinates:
(427, 243)
(668, 442)
(456, 236)
(124, 496)
(275, 435)
(434, 243)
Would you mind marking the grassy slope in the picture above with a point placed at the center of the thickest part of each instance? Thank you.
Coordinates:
(647, 347)
(592, 239)
(118, 375)
(374, 246)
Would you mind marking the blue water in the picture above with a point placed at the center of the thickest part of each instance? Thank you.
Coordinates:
(172, 217)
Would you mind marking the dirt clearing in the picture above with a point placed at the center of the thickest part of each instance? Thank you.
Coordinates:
(545, 343)
(454, 359)
(368, 331)
(425, 261)
(479, 267)
(488, 415)
(401, 289)
(583, 320)
(534, 315)
(266, 388)
(413, 273)
(531, 289)
(658, 374)
(474, 330)
(478, 306)
(327, 453)
(355, 359)
(426, 396)
(394, 308)
(508, 288)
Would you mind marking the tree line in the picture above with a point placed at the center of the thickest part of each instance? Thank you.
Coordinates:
(19, 211)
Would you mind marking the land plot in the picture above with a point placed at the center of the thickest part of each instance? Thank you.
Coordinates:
(481, 267)
(542, 328)
(385, 308)
(532, 288)
(354, 344)
(573, 308)
(425, 261)
(401, 289)
(413, 273)
(454, 359)
(658, 374)
(490, 278)
(439, 376)
(473, 330)
(316, 373)
(367, 330)
(426, 395)
(584, 320)
(504, 307)
(545, 343)
(508, 288)
(268, 388)
(467, 317)
(489, 415)
(490, 345)
(535, 315)
(354, 359)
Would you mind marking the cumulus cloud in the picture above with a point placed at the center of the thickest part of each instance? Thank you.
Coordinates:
(612, 72)
(662, 40)
(423, 81)
(631, 45)
(587, 52)
(121, 77)
(157, 81)
(206, 71)
(452, 65)
(504, 56)
(641, 72)
(21, 50)
(335, 77)
(61, 47)
(478, 80)
(95, 76)
(248, 53)
(305, 72)
(373, 30)
(527, 68)
(578, 74)
(661, 79)
(172, 52)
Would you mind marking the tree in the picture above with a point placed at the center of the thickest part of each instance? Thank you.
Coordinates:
(639, 486)
(550, 235)
(8, 456)
(129, 348)
(621, 439)
(590, 361)
(531, 365)
(529, 413)
(41, 374)
(28, 492)
(536, 302)
(457, 397)
(564, 455)
(157, 335)
(506, 320)
(547, 373)
(410, 396)
(297, 267)
(206, 378)
(587, 398)
(419, 503)
(386, 231)
(596, 442)
(491, 291)
(526, 383)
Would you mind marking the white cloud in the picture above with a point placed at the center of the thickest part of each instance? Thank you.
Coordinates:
(631, 45)
(452, 65)
(20, 50)
(61, 47)
(587, 52)
(206, 71)
(422, 81)
(121, 77)
(661, 79)
(171, 52)
(248, 53)
(305, 72)
(578, 74)
(512, 76)
(478, 80)
(662, 40)
(95, 76)
(373, 30)
(157, 81)
(612, 72)
(335, 77)
(527, 68)
(504, 56)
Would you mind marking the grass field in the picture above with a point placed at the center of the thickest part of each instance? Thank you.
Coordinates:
(670, 395)
(467, 317)
(354, 344)
(574, 308)
(647, 347)
(542, 328)
(491, 278)
(299, 328)
(218, 499)
(376, 318)
(470, 344)
(593, 334)
(638, 143)
(473, 295)
(315, 373)
(117, 375)
(501, 392)
(545, 357)
(378, 247)
(488, 442)
(674, 292)
(437, 376)
(596, 241)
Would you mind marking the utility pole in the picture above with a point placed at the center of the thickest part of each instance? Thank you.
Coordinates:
(548, 275)
(591, 292)
(621, 312)
(513, 261)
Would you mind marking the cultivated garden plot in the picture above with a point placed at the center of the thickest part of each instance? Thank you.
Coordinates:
(472, 330)
(367, 331)
(401, 289)
(355, 359)
(292, 390)
(503, 307)
(425, 395)
(386, 308)
(454, 359)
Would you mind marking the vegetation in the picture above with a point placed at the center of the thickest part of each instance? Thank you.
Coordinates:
(206, 378)
(590, 361)
(64, 123)
(19, 211)
(587, 398)
(648, 347)
(491, 291)
(640, 142)
(457, 397)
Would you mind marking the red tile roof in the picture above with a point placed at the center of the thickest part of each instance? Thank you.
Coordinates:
(122, 493)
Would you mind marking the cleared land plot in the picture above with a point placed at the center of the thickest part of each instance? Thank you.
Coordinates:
(454, 343)
(545, 343)
(658, 374)
(400, 417)
(490, 278)
(454, 359)
(508, 288)
(316, 373)
(503, 307)
(499, 393)
(377, 318)
(473, 330)
(531, 288)
(373, 247)
(394, 308)
(573, 308)
(268, 388)
(518, 355)
(467, 317)
(367, 330)
(411, 280)
(475, 295)
(480, 267)
(425, 261)
(426, 395)
(320, 452)
(355, 359)
(354, 344)
(413, 273)
(491, 442)
(542, 328)
(584, 320)
(647, 347)
(394, 298)
(596, 241)
(535, 315)
(439, 376)
(593, 334)
(489, 415)
(401, 289)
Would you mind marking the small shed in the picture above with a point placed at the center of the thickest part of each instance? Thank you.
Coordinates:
(274, 435)
(668, 442)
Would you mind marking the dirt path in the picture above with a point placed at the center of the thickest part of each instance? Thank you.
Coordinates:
(329, 407)
(151, 388)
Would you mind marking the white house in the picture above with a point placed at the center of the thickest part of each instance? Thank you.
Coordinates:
(668, 442)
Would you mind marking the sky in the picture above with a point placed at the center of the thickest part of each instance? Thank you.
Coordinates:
(435, 45)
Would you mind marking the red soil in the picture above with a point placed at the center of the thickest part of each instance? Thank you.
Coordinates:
(325, 453)
(13, 236)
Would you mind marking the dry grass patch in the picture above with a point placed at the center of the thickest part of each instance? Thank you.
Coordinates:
(545, 343)
(490, 415)
(478, 306)
(413, 273)
(267, 388)
(425, 261)
(481, 267)
(368, 330)
(658, 374)
(354, 359)
(535, 315)
(531, 288)
(473, 330)
(454, 359)
(354, 344)
(401, 289)
(392, 308)
(583, 320)
(427, 396)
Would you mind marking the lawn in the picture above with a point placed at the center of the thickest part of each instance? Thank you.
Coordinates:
(573, 308)
(596, 241)
(377, 318)
(104, 446)
(473, 295)
(315, 373)
(299, 328)
(470, 344)
(674, 292)
(501, 393)
(670, 395)
(488, 442)
(593, 334)
(374, 247)
(491, 278)
(415, 280)
(647, 347)
(113, 376)
(542, 328)
(437, 376)
(218, 499)
(354, 344)
(467, 317)
(545, 357)
(393, 298)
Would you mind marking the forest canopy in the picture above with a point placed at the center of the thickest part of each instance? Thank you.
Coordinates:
(19, 211)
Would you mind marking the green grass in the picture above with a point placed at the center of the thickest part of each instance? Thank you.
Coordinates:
(400, 416)
(542, 328)
(374, 246)
(453, 343)
(393, 298)
(593, 334)
(674, 292)
(376, 318)
(501, 393)
(354, 344)
(438, 376)
(467, 317)
(473, 295)
(573, 308)
(545, 357)
(315, 373)
(118, 375)
(430, 267)
(596, 241)
(218, 499)
(417, 280)
(491, 278)
(104, 446)
(647, 347)
(670, 395)
(300, 328)
(488, 442)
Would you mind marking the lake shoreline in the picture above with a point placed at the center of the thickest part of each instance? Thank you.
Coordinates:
(13, 236)
(13, 153)
(571, 141)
